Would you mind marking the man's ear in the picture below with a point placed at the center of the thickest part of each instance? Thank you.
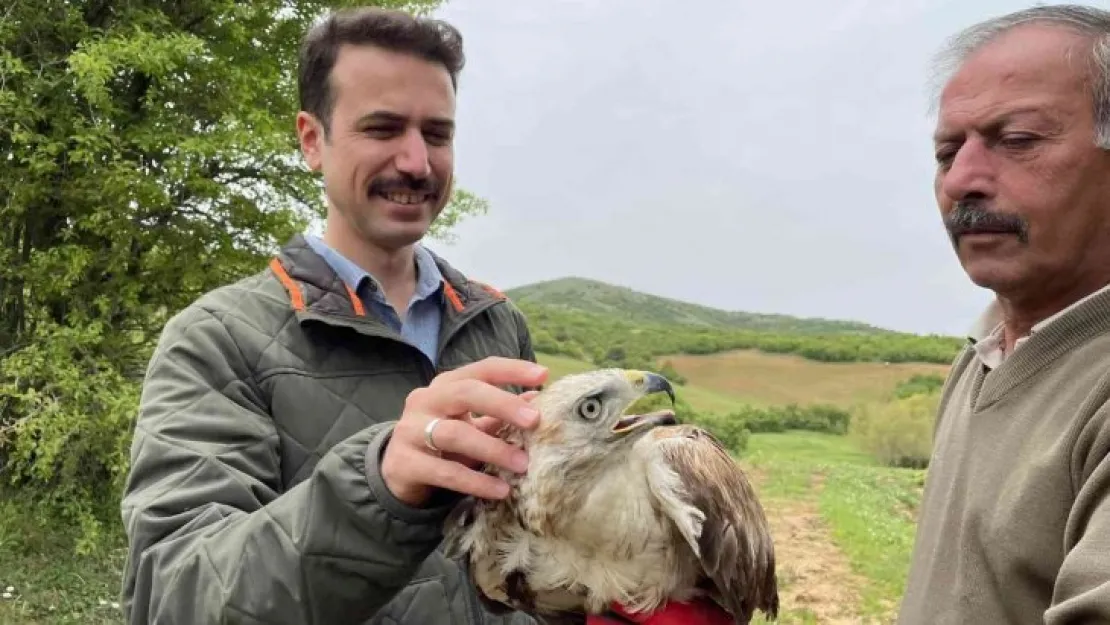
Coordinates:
(310, 133)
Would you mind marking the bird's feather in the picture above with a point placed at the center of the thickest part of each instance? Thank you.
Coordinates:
(615, 513)
(718, 515)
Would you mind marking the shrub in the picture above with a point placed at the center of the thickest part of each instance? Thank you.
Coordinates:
(733, 433)
(814, 418)
(919, 384)
(667, 370)
(65, 426)
(898, 433)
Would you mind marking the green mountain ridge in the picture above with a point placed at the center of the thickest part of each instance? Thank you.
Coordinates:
(600, 298)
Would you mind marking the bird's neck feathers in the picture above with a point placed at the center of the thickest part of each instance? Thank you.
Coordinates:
(558, 484)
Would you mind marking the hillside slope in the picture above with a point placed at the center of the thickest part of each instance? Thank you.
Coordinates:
(613, 339)
(592, 296)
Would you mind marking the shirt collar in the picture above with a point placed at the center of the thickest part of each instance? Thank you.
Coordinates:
(429, 279)
(987, 323)
(987, 334)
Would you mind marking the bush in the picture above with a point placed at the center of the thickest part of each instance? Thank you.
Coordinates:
(919, 384)
(813, 418)
(65, 426)
(667, 370)
(898, 433)
(733, 433)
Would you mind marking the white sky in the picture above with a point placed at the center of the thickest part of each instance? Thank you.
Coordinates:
(775, 154)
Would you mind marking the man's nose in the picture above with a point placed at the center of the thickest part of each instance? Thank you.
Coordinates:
(971, 172)
(412, 155)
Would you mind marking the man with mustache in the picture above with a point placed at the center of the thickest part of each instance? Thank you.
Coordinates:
(1015, 521)
(304, 432)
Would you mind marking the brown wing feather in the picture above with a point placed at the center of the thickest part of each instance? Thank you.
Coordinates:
(737, 551)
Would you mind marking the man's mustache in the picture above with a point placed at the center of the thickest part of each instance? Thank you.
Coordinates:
(412, 184)
(970, 217)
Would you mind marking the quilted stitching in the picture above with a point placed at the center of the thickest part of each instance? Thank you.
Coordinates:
(323, 385)
(243, 388)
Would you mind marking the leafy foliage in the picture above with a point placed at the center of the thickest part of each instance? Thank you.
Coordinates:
(732, 433)
(899, 432)
(919, 384)
(811, 418)
(614, 340)
(147, 155)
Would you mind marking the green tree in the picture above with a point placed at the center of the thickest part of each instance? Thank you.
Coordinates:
(147, 154)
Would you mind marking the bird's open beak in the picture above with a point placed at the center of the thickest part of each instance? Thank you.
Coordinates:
(641, 421)
(652, 383)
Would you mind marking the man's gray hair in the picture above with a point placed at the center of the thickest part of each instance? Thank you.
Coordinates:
(1082, 19)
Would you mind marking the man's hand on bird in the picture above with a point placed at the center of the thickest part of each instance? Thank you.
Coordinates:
(700, 612)
(414, 466)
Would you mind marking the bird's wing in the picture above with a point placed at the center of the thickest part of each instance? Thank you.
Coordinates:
(731, 538)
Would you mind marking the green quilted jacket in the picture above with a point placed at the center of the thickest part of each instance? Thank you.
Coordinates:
(254, 494)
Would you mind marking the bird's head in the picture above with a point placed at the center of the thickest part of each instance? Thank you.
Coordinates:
(590, 410)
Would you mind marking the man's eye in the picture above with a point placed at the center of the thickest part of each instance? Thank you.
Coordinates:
(437, 137)
(1017, 140)
(381, 131)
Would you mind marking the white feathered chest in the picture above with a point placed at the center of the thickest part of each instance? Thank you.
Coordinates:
(633, 510)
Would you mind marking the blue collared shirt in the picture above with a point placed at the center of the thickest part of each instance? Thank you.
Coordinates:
(424, 314)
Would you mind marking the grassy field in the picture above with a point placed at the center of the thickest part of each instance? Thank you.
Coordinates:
(719, 382)
(761, 378)
(843, 526)
(843, 523)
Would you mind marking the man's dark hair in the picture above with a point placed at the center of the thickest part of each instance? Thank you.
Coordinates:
(394, 30)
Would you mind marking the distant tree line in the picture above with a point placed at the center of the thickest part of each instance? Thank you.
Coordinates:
(609, 340)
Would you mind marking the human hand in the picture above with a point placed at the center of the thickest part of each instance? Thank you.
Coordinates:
(412, 470)
(699, 612)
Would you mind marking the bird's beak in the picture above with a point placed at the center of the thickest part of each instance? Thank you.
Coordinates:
(645, 421)
(655, 383)
(651, 383)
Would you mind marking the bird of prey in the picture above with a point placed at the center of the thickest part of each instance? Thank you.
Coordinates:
(632, 510)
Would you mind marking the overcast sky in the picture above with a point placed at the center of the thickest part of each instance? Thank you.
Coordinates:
(776, 154)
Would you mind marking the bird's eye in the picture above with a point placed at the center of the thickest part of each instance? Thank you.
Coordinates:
(590, 408)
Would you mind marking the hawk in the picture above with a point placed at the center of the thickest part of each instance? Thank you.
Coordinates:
(620, 509)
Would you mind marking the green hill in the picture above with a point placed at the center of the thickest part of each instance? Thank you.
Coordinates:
(611, 339)
(591, 296)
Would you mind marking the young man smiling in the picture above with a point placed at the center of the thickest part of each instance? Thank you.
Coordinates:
(304, 431)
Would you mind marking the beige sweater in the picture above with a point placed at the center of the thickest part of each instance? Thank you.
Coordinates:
(1015, 521)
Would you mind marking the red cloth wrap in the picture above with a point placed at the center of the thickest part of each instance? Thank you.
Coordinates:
(701, 612)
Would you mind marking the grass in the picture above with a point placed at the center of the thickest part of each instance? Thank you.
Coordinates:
(868, 508)
(872, 511)
(49, 583)
(788, 460)
(760, 378)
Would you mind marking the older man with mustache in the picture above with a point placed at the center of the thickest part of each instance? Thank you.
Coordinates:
(1015, 521)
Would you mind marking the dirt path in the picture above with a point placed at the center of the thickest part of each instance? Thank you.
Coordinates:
(817, 584)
